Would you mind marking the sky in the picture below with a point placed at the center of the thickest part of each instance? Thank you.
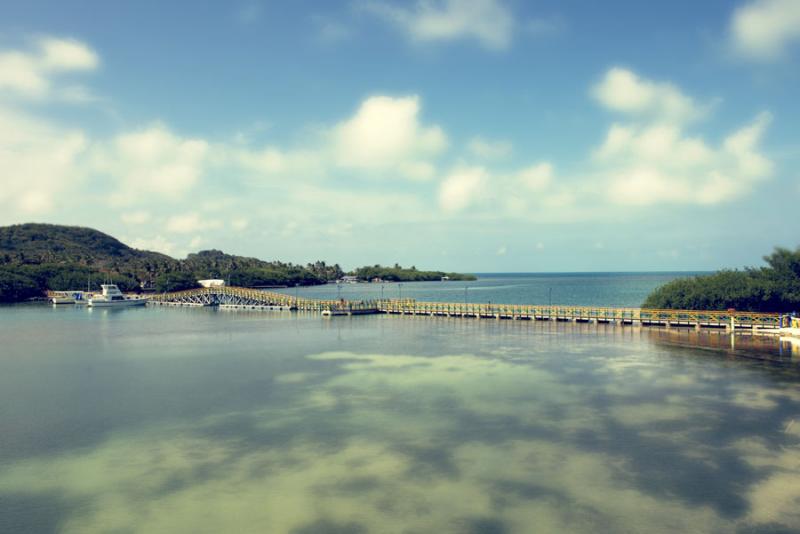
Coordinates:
(467, 135)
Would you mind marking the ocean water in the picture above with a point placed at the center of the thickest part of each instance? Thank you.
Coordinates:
(204, 421)
(586, 289)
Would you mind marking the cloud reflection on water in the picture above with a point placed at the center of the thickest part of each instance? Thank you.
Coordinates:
(588, 441)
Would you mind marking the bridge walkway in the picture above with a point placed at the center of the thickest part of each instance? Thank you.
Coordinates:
(259, 299)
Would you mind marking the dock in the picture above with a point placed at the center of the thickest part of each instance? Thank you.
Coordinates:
(227, 297)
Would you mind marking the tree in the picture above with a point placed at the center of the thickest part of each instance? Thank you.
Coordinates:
(16, 287)
(773, 288)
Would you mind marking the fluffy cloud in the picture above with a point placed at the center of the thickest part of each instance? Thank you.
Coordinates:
(152, 161)
(653, 160)
(488, 21)
(29, 74)
(621, 90)
(659, 164)
(386, 134)
(462, 187)
(273, 160)
(650, 160)
(384, 137)
(40, 162)
(763, 29)
(513, 194)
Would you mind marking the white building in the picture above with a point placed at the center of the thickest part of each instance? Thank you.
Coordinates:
(211, 283)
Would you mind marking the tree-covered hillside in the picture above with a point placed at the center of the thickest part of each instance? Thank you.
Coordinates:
(38, 257)
(34, 244)
(773, 288)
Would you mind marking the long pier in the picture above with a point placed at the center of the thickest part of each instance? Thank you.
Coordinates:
(255, 299)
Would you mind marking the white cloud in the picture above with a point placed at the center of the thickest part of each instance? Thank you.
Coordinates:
(623, 91)
(654, 160)
(386, 134)
(66, 55)
(384, 137)
(488, 149)
(462, 188)
(30, 74)
(152, 161)
(764, 29)
(41, 164)
(659, 164)
(135, 217)
(188, 223)
(489, 22)
(523, 193)
(273, 160)
(502, 251)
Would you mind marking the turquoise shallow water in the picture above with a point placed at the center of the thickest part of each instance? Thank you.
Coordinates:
(586, 289)
(197, 420)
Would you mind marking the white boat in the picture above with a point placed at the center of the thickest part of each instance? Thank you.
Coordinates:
(112, 297)
(67, 297)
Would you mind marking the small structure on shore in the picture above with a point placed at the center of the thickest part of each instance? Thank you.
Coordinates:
(212, 283)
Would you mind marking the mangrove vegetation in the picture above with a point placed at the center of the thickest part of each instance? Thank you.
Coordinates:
(774, 287)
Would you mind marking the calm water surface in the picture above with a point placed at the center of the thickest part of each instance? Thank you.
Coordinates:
(195, 420)
(587, 289)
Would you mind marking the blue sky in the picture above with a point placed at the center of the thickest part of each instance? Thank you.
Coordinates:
(477, 135)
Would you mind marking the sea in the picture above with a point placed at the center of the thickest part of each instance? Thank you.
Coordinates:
(202, 420)
(578, 289)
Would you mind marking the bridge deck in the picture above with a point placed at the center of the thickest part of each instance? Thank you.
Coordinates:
(259, 299)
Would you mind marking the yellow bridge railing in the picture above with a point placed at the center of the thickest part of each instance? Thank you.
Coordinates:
(583, 313)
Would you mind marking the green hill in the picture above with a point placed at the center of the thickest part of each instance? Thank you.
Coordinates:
(38, 257)
(50, 243)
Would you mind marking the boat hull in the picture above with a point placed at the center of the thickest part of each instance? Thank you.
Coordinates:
(117, 303)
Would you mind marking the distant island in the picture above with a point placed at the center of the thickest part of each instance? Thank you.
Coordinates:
(773, 288)
(35, 258)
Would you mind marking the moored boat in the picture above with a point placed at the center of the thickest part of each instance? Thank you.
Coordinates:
(112, 297)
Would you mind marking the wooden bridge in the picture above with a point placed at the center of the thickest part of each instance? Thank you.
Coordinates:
(256, 299)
